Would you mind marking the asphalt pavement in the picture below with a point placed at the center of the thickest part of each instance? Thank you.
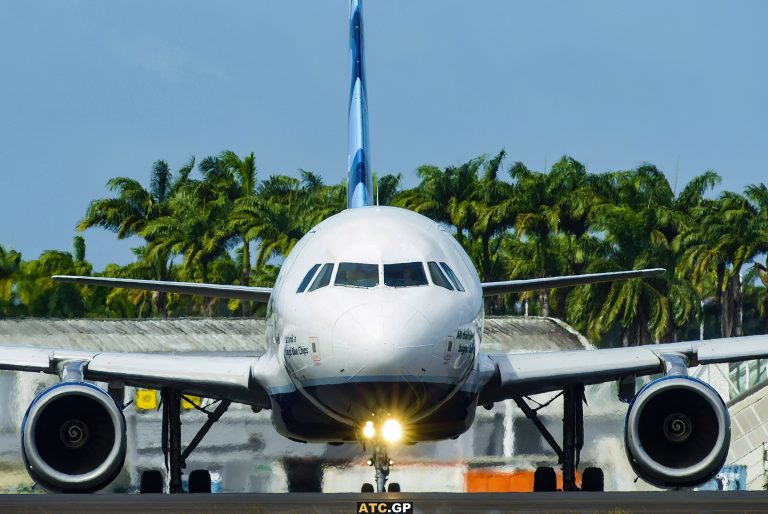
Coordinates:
(671, 501)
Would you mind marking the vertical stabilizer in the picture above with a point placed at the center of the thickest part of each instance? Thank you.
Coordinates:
(360, 183)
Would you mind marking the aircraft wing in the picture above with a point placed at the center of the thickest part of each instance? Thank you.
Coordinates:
(518, 286)
(239, 378)
(254, 294)
(516, 374)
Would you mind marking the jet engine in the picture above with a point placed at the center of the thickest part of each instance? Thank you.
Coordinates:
(73, 438)
(677, 432)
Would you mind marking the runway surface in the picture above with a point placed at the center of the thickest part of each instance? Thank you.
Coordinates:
(422, 502)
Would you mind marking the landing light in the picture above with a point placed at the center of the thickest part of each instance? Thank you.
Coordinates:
(392, 430)
(368, 430)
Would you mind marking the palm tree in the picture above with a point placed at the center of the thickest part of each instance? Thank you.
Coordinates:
(537, 226)
(10, 264)
(244, 171)
(757, 242)
(135, 302)
(275, 217)
(759, 272)
(685, 298)
(387, 188)
(128, 213)
(282, 211)
(715, 244)
(43, 297)
(549, 213)
(751, 222)
(634, 219)
(445, 196)
(194, 224)
(645, 225)
(489, 192)
(316, 201)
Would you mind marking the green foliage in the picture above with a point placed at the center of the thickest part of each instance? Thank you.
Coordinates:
(10, 264)
(219, 222)
(387, 187)
(43, 297)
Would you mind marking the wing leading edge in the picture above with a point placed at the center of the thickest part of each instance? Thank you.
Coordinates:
(518, 374)
(518, 286)
(254, 294)
(242, 379)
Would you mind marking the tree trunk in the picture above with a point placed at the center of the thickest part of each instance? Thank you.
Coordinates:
(730, 318)
(762, 273)
(544, 303)
(739, 311)
(207, 300)
(161, 304)
(246, 275)
(489, 306)
(719, 295)
(764, 329)
(460, 236)
(161, 298)
(486, 243)
(638, 331)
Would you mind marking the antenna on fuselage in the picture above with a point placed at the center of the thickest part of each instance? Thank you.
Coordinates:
(359, 183)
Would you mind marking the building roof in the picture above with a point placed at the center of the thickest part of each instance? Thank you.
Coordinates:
(501, 334)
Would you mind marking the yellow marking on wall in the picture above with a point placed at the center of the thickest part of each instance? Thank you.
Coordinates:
(146, 399)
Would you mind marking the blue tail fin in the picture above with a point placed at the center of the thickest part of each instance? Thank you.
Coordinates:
(360, 183)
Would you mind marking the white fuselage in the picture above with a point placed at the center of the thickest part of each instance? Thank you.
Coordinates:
(349, 352)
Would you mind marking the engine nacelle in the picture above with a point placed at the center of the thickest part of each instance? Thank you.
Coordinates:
(73, 438)
(677, 432)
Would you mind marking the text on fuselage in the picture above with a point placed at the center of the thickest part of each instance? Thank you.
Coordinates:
(465, 334)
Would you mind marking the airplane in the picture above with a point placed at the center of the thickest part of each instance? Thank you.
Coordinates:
(375, 327)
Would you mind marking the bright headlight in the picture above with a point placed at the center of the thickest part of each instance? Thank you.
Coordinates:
(392, 430)
(368, 430)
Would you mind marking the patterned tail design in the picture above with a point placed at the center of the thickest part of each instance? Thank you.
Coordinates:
(360, 183)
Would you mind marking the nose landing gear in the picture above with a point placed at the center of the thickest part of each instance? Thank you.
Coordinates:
(381, 463)
(388, 430)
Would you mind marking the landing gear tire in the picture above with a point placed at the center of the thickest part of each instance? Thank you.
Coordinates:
(593, 479)
(367, 488)
(200, 481)
(151, 482)
(393, 487)
(544, 480)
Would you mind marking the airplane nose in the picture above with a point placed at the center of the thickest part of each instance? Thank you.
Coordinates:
(380, 353)
(380, 326)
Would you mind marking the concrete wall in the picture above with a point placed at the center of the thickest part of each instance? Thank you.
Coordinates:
(749, 436)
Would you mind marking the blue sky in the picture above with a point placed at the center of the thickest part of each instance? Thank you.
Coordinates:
(91, 90)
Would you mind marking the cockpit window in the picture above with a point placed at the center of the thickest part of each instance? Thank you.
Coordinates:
(438, 278)
(355, 274)
(323, 278)
(452, 276)
(307, 278)
(406, 274)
